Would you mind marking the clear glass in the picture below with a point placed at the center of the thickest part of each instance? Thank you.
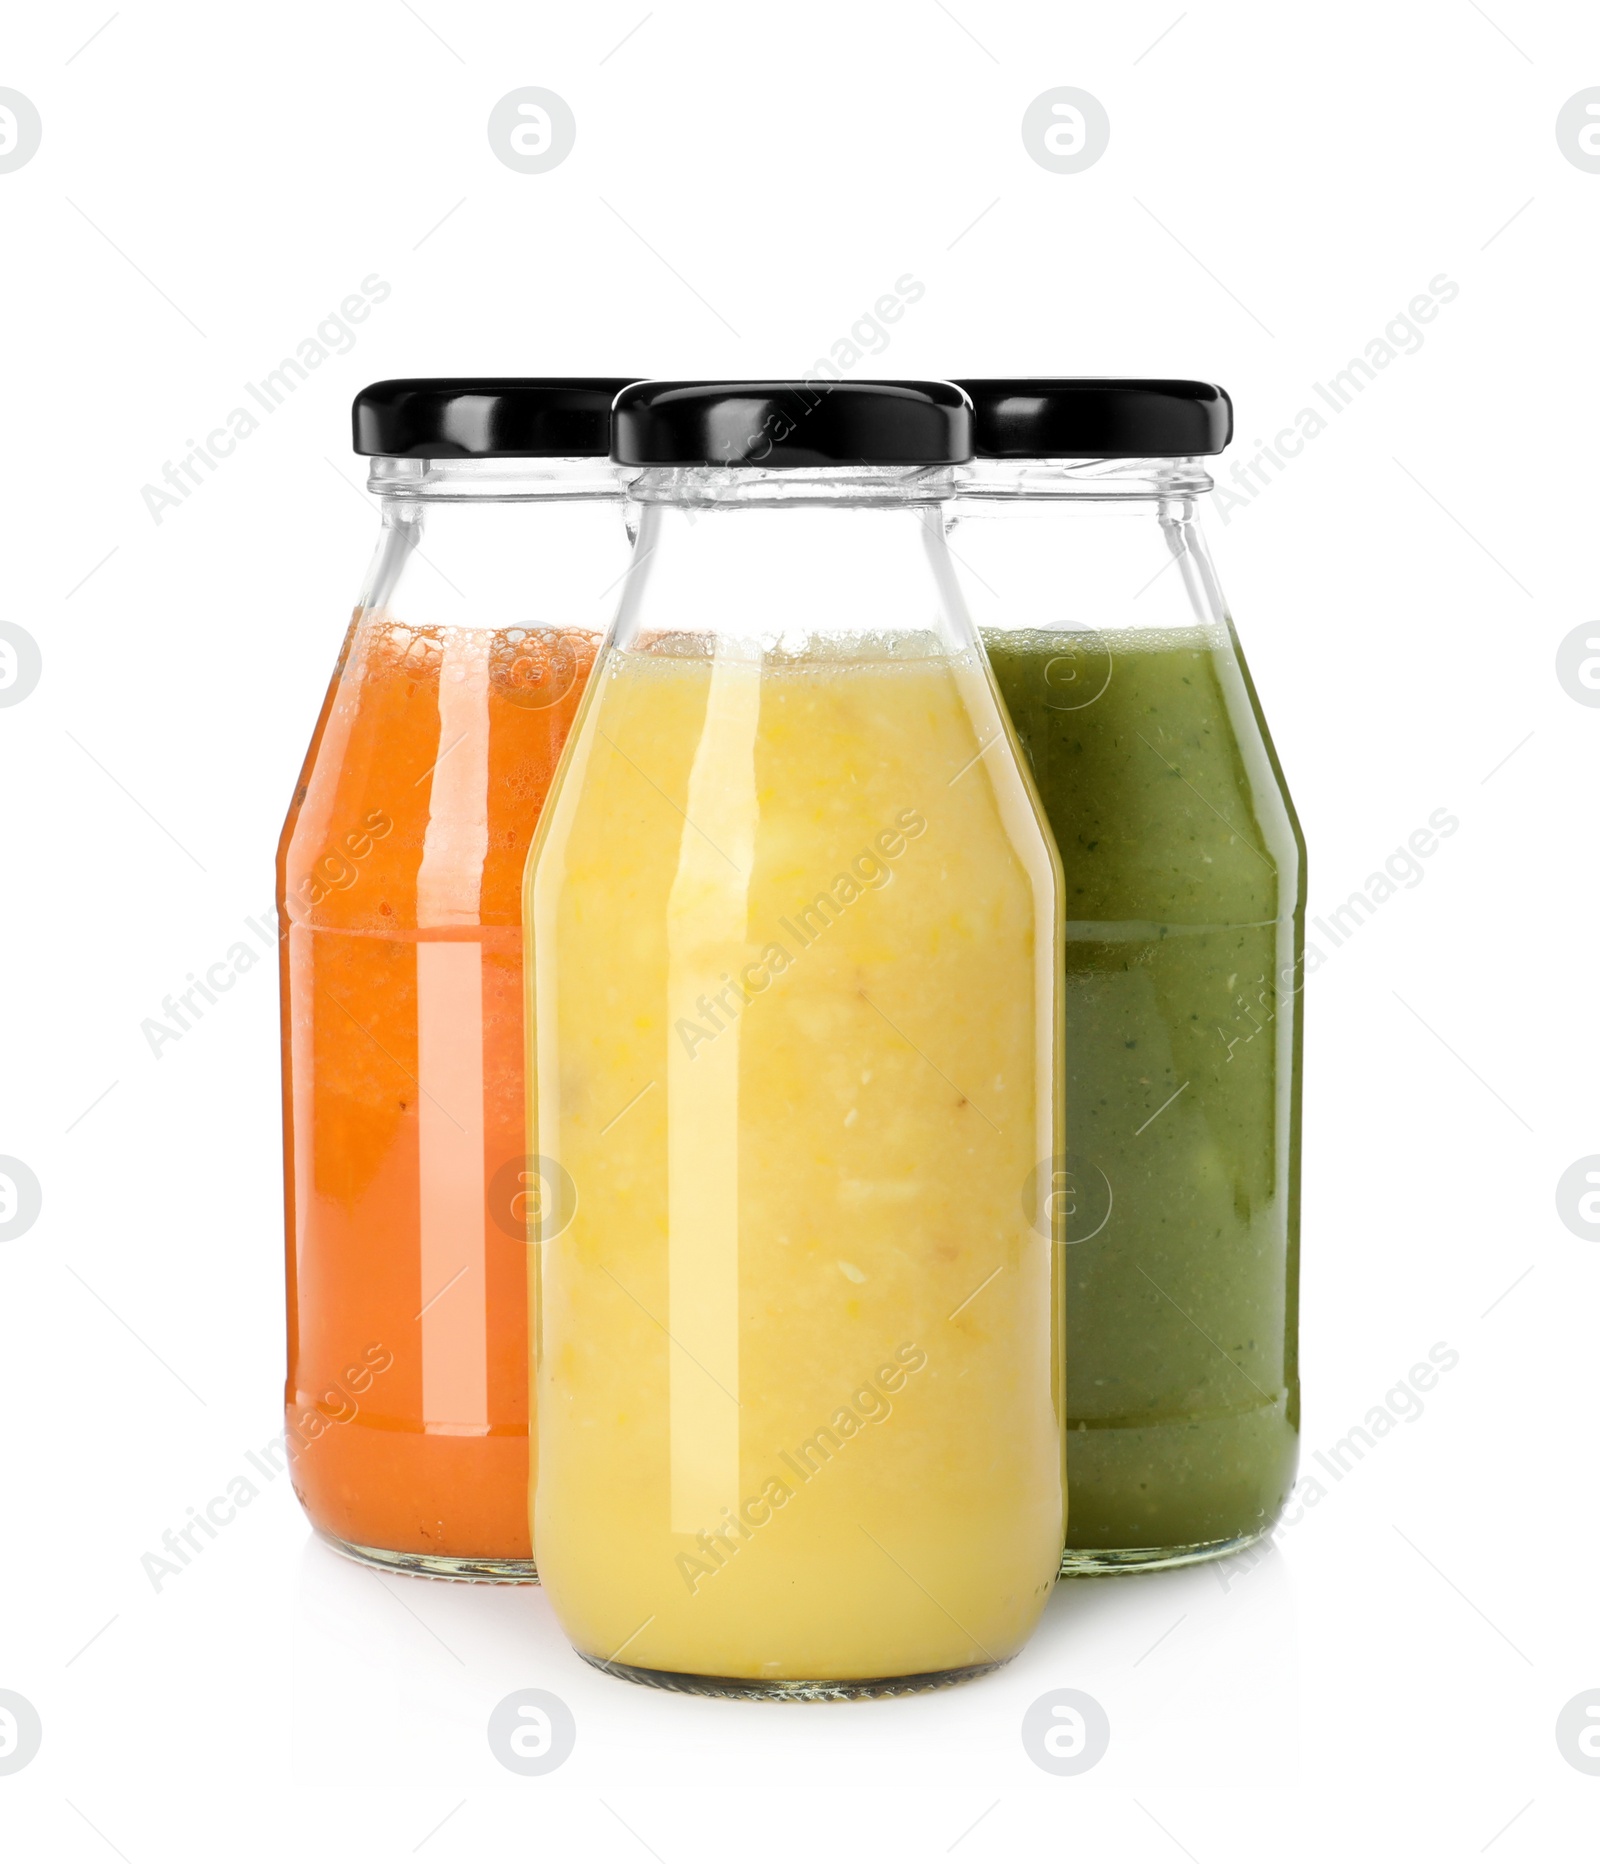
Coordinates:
(793, 960)
(1177, 1199)
(399, 874)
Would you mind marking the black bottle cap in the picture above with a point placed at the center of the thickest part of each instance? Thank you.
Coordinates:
(1087, 417)
(778, 425)
(487, 417)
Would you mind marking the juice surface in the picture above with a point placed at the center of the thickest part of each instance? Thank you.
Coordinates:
(1182, 868)
(399, 876)
(794, 946)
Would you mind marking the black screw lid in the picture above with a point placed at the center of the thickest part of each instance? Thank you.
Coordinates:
(779, 425)
(487, 417)
(1096, 417)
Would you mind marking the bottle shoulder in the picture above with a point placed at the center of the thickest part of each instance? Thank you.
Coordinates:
(426, 778)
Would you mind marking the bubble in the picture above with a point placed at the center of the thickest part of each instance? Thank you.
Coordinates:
(535, 668)
(1079, 673)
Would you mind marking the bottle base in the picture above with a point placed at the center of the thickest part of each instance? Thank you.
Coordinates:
(480, 1572)
(782, 1689)
(1086, 1562)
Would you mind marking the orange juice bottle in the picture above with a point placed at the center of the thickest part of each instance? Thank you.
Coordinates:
(407, 1189)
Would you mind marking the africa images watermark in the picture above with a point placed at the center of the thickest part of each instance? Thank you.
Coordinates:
(333, 336)
(868, 1404)
(1401, 871)
(867, 337)
(334, 871)
(1401, 336)
(339, 1404)
(184, 1008)
(1402, 1404)
(869, 870)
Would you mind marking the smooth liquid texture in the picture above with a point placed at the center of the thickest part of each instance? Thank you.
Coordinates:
(793, 954)
(1182, 880)
(405, 1121)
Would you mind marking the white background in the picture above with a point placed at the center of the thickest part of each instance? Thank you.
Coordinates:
(746, 181)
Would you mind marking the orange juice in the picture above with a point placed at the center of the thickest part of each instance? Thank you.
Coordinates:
(398, 875)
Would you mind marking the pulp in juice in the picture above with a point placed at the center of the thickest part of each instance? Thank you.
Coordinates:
(1182, 865)
(399, 876)
(794, 954)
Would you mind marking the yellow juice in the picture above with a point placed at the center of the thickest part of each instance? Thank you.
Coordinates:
(793, 926)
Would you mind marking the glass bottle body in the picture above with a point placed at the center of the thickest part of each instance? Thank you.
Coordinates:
(1177, 1201)
(793, 944)
(399, 879)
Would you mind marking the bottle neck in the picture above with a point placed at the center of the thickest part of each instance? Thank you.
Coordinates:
(496, 544)
(496, 479)
(1104, 546)
(1182, 478)
(836, 562)
(697, 488)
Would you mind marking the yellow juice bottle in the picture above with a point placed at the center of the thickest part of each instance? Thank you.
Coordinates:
(793, 937)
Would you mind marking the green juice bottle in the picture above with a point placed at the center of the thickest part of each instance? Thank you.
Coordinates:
(1176, 1204)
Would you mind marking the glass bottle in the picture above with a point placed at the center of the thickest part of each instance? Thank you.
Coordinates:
(1177, 1199)
(399, 874)
(792, 933)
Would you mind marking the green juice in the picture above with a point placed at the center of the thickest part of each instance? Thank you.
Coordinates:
(1177, 1205)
